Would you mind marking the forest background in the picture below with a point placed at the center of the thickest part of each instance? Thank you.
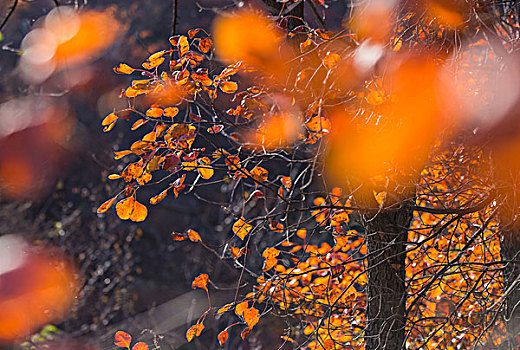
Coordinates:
(364, 198)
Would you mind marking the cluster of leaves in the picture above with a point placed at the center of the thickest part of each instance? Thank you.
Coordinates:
(308, 235)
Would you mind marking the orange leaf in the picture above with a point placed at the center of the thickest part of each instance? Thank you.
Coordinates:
(156, 199)
(239, 309)
(138, 124)
(154, 63)
(228, 87)
(222, 337)
(205, 45)
(177, 236)
(139, 213)
(270, 255)
(171, 112)
(122, 68)
(245, 333)
(259, 174)
(184, 46)
(251, 316)
(122, 339)
(114, 176)
(194, 236)
(224, 309)
(241, 228)
(330, 60)
(140, 346)
(201, 281)
(154, 112)
(109, 119)
(205, 170)
(216, 129)
(121, 154)
(193, 32)
(105, 206)
(125, 207)
(194, 331)
(319, 124)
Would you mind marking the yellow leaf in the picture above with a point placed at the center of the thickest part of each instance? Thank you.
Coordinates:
(125, 207)
(241, 228)
(122, 68)
(228, 87)
(205, 170)
(139, 123)
(139, 213)
(154, 63)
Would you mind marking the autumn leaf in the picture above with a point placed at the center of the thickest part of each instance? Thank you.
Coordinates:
(156, 199)
(178, 237)
(138, 124)
(194, 236)
(140, 346)
(129, 208)
(171, 112)
(223, 337)
(270, 255)
(122, 68)
(224, 309)
(205, 170)
(154, 112)
(239, 309)
(330, 60)
(122, 339)
(245, 332)
(201, 281)
(215, 129)
(105, 206)
(205, 45)
(183, 46)
(194, 331)
(139, 213)
(251, 317)
(241, 228)
(228, 87)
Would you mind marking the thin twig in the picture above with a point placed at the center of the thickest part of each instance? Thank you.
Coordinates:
(11, 10)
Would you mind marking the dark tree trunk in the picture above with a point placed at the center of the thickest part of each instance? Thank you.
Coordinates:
(387, 234)
(510, 252)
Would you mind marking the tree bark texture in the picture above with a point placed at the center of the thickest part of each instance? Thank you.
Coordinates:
(387, 234)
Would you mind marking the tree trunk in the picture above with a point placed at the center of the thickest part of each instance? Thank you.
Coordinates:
(510, 252)
(387, 234)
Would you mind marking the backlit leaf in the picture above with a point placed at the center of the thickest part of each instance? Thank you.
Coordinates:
(154, 112)
(122, 68)
(228, 87)
(125, 207)
(171, 112)
(140, 346)
(239, 309)
(139, 123)
(122, 339)
(194, 331)
(205, 45)
(223, 337)
(201, 281)
(330, 60)
(251, 316)
(156, 199)
(139, 213)
(224, 308)
(241, 228)
(194, 236)
(105, 206)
